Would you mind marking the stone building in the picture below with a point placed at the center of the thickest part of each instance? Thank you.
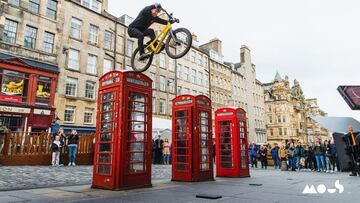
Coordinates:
(288, 113)
(314, 129)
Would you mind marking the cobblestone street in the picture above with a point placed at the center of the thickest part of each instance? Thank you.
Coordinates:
(27, 177)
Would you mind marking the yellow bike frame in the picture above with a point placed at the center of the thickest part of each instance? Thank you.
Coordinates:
(161, 37)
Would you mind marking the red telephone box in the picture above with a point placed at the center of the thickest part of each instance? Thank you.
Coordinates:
(232, 158)
(122, 157)
(192, 139)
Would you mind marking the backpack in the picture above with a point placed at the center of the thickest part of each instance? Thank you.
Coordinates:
(54, 147)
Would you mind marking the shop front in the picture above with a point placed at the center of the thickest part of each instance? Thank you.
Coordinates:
(27, 91)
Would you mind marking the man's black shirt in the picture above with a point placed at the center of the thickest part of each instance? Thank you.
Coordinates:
(144, 20)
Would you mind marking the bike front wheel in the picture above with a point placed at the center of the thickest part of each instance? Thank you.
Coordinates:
(178, 44)
(141, 65)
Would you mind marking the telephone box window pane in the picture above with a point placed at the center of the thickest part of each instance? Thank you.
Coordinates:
(107, 117)
(204, 114)
(136, 137)
(105, 137)
(181, 152)
(181, 143)
(181, 167)
(137, 97)
(104, 169)
(137, 116)
(107, 106)
(181, 121)
(106, 126)
(137, 168)
(181, 113)
(105, 148)
(181, 136)
(136, 147)
(104, 158)
(205, 151)
(181, 129)
(204, 128)
(108, 97)
(181, 159)
(137, 106)
(138, 126)
(204, 121)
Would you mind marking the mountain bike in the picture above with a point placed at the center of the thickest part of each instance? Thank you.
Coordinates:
(178, 43)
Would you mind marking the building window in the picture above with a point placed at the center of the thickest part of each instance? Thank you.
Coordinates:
(73, 59)
(88, 115)
(178, 71)
(186, 73)
(280, 131)
(90, 90)
(69, 114)
(91, 64)
(284, 119)
(153, 78)
(193, 75)
(171, 65)
(94, 5)
(154, 105)
(34, 6)
(93, 34)
(279, 119)
(206, 80)
(162, 83)
(75, 28)
(162, 106)
(271, 132)
(48, 45)
(10, 29)
(108, 65)
(270, 119)
(179, 90)
(108, 40)
(71, 87)
(285, 131)
(171, 85)
(86, 3)
(200, 78)
(129, 47)
(193, 56)
(43, 91)
(30, 37)
(51, 9)
(13, 84)
(14, 2)
(162, 61)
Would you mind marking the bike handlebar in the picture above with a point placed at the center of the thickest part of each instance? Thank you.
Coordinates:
(171, 18)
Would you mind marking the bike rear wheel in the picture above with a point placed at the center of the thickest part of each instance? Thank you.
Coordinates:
(143, 65)
(180, 46)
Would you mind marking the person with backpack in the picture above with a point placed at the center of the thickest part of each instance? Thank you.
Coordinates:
(55, 148)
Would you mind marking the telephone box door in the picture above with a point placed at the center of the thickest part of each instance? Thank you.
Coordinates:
(107, 127)
(204, 144)
(182, 145)
(137, 170)
(225, 147)
(244, 158)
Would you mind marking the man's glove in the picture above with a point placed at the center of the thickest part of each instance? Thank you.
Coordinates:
(174, 20)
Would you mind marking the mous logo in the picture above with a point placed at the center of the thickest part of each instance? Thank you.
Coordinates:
(321, 189)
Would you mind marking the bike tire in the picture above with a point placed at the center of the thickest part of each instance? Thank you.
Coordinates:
(186, 50)
(143, 69)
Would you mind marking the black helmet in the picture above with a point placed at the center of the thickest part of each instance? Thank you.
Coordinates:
(158, 6)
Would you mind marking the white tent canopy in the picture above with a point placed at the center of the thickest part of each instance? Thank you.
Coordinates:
(338, 124)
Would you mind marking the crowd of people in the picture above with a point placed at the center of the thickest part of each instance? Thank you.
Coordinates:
(319, 156)
(161, 151)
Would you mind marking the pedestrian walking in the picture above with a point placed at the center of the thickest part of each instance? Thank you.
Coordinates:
(73, 140)
(253, 152)
(166, 151)
(263, 156)
(55, 148)
(275, 156)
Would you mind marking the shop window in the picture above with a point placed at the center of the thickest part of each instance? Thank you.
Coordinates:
(43, 91)
(14, 86)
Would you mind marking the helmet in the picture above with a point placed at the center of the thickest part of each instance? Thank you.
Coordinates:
(158, 6)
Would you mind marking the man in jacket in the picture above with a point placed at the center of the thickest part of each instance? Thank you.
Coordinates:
(275, 155)
(139, 28)
(253, 152)
(352, 140)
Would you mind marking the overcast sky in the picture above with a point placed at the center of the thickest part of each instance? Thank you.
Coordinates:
(315, 41)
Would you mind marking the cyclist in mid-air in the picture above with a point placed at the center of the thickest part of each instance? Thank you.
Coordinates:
(139, 28)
